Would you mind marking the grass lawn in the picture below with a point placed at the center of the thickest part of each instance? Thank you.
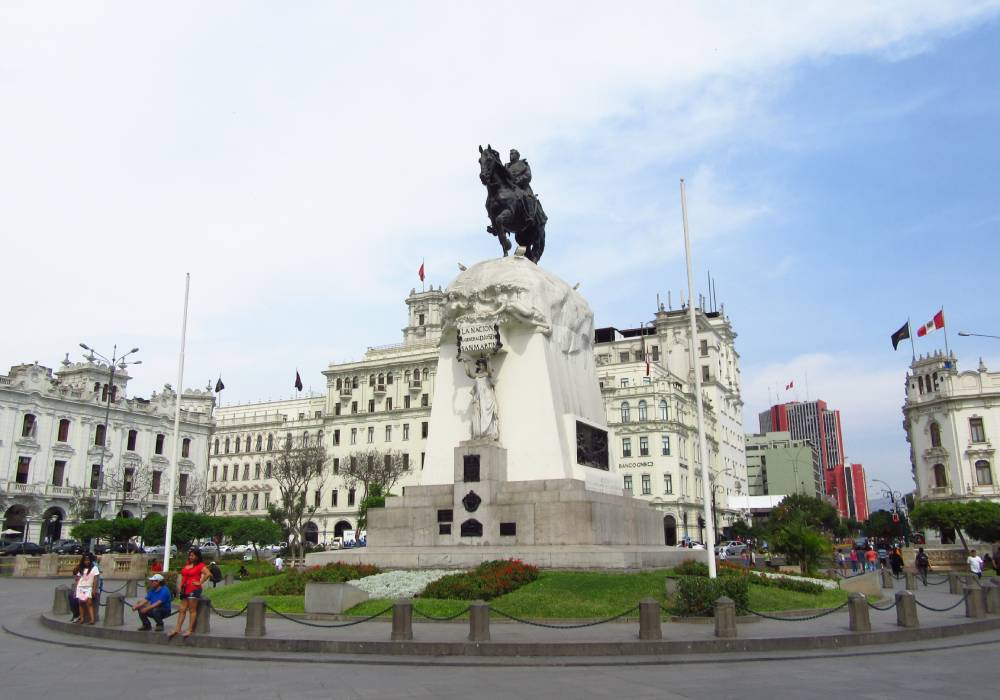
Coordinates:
(555, 595)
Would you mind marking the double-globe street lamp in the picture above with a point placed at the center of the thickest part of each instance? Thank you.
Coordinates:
(114, 363)
(966, 334)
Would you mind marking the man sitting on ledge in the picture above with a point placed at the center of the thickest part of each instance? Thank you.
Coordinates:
(155, 605)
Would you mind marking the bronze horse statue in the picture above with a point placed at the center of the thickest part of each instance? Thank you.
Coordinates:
(511, 207)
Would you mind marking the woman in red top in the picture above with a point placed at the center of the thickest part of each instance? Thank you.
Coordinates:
(193, 577)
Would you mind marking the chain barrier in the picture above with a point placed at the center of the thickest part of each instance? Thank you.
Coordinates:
(593, 623)
(928, 582)
(115, 590)
(230, 617)
(446, 618)
(315, 624)
(800, 619)
(950, 607)
(875, 607)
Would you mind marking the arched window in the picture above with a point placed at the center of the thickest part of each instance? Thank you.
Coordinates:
(216, 445)
(406, 375)
(305, 438)
(319, 438)
(288, 441)
(104, 393)
(940, 476)
(339, 383)
(663, 409)
(935, 434)
(388, 401)
(227, 445)
(354, 383)
(186, 447)
(270, 441)
(99, 434)
(626, 412)
(416, 375)
(260, 442)
(28, 425)
(920, 383)
(642, 411)
(237, 443)
(371, 380)
(984, 477)
(381, 379)
(388, 378)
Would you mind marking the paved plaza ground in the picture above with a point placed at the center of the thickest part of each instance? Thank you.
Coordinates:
(66, 666)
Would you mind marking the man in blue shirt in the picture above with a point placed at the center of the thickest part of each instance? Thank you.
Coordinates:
(155, 605)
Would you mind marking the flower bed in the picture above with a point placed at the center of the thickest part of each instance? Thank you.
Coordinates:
(399, 584)
(489, 580)
(294, 582)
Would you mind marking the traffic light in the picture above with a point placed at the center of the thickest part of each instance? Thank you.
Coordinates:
(895, 517)
(701, 522)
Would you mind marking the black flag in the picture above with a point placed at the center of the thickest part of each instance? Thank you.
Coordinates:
(219, 386)
(298, 381)
(901, 335)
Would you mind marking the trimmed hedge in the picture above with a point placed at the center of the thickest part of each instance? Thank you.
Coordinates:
(294, 582)
(690, 567)
(489, 580)
(696, 595)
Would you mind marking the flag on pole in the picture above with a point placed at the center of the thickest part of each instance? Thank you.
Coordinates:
(790, 385)
(420, 272)
(219, 386)
(298, 381)
(932, 325)
(902, 334)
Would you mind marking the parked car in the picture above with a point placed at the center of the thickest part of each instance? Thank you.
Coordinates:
(158, 549)
(732, 548)
(67, 547)
(127, 548)
(16, 548)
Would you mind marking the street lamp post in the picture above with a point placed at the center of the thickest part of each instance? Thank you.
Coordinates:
(965, 334)
(114, 364)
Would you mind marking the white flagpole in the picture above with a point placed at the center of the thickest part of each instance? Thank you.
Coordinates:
(706, 482)
(177, 430)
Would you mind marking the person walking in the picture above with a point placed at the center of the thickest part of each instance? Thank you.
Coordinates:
(854, 561)
(216, 573)
(193, 578)
(923, 563)
(975, 564)
(155, 605)
(279, 564)
(896, 562)
(85, 588)
(841, 562)
(871, 559)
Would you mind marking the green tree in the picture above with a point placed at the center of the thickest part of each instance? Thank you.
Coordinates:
(983, 520)
(374, 499)
(256, 531)
(879, 524)
(810, 510)
(187, 528)
(92, 530)
(800, 543)
(943, 515)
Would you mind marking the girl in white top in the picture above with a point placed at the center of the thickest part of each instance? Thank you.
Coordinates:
(85, 588)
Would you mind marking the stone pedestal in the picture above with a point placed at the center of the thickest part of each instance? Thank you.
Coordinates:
(857, 608)
(725, 618)
(256, 618)
(332, 598)
(650, 626)
(906, 609)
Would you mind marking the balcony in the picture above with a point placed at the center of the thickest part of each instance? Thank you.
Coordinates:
(26, 489)
(416, 384)
(380, 390)
(52, 490)
(345, 392)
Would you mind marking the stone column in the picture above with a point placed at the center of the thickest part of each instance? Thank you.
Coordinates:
(649, 619)
(60, 601)
(227, 580)
(906, 609)
(131, 588)
(993, 597)
(857, 607)
(402, 620)
(114, 612)
(256, 626)
(725, 618)
(203, 625)
(973, 602)
(955, 583)
(911, 581)
(479, 622)
(887, 579)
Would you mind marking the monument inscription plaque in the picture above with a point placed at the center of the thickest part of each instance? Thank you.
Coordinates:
(591, 446)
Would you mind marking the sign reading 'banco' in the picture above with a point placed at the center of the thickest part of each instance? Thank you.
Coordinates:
(479, 337)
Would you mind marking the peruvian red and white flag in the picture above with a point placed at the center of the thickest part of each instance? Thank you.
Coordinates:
(790, 385)
(420, 272)
(932, 325)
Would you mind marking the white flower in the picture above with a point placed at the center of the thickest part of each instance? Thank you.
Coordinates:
(398, 584)
(825, 583)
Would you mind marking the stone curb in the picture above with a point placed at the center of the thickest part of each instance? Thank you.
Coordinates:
(533, 649)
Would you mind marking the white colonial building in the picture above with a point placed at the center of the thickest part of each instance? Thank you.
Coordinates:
(951, 419)
(652, 414)
(73, 445)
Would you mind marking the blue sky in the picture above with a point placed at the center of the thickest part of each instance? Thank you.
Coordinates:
(300, 160)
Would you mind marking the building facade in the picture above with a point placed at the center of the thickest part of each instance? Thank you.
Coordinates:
(951, 419)
(73, 446)
(778, 465)
(850, 487)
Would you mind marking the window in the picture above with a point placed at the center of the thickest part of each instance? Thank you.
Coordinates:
(623, 356)
(288, 441)
(95, 475)
(354, 406)
(416, 375)
(642, 411)
(406, 402)
(336, 465)
(647, 381)
(388, 433)
(318, 498)
(624, 383)
(227, 445)
(243, 502)
(940, 480)
(336, 437)
(371, 405)
(371, 380)
(668, 484)
(424, 400)
(256, 501)
(215, 472)
(237, 450)
(388, 401)
(232, 502)
(267, 500)
(305, 438)
(706, 373)
(260, 444)
(182, 486)
(703, 347)
(58, 472)
(160, 437)
(63, 430)
(246, 472)
(935, 434)
(643, 446)
(267, 473)
(216, 445)
(983, 475)
(154, 486)
(222, 501)
(270, 442)
(626, 447)
(186, 447)
(256, 471)
(371, 434)
(354, 436)
(336, 409)
(354, 382)
(225, 472)
(655, 351)
(333, 498)
(128, 480)
(420, 319)
(423, 429)
(100, 432)
(663, 410)
(350, 497)
(133, 436)
(318, 414)
(664, 444)
(976, 428)
(628, 483)
(406, 461)
(626, 412)
(647, 488)
(406, 431)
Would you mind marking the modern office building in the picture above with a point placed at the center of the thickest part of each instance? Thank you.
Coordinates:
(778, 465)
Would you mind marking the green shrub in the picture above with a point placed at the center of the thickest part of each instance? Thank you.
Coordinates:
(696, 595)
(690, 567)
(170, 580)
(489, 580)
(294, 582)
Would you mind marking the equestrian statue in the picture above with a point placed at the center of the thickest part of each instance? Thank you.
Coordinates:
(511, 204)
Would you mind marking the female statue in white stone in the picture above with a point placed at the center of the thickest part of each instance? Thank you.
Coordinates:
(485, 421)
